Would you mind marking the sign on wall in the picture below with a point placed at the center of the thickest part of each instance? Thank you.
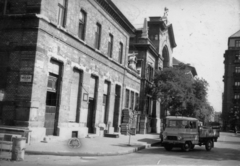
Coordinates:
(25, 78)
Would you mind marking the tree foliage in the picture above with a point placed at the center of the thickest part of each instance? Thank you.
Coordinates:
(180, 94)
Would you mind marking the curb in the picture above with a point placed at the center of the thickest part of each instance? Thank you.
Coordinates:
(123, 152)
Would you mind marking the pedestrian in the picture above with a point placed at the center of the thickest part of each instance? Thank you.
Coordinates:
(235, 129)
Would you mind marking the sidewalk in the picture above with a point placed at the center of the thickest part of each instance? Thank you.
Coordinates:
(94, 146)
(229, 137)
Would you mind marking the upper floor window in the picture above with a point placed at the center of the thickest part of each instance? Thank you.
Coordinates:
(237, 57)
(82, 25)
(110, 45)
(127, 98)
(98, 36)
(136, 101)
(237, 83)
(237, 69)
(148, 105)
(149, 73)
(236, 96)
(120, 53)
(62, 13)
(237, 43)
(132, 100)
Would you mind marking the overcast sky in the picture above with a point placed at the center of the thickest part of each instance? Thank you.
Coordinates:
(201, 29)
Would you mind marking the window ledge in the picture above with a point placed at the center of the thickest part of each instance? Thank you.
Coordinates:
(97, 50)
(82, 41)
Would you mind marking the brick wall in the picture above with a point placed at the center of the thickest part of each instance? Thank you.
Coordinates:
(31, 42)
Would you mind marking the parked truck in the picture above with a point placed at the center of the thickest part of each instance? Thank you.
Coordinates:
(186, 132)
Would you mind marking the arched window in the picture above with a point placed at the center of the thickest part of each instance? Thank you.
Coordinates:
(166, 57)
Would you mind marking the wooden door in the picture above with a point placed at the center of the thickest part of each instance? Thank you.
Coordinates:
(50, 119)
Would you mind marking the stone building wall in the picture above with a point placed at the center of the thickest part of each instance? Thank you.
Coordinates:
(33, 42)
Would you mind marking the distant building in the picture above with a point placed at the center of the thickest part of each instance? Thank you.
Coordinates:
(190, 70)
(231, 79)
(218, 117)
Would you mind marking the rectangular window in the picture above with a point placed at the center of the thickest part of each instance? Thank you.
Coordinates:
(54, 81)
(237, 57)
(136, 102)
(62, 12)
(132, 100)
(120, 53)
(237, 83)
(93, 84)
(237, 43)
(106, 94)
(149, 73)
(148, 105)
(98, 36)
(110, 45)
(127, 99)
(82, 25)
(237, 69)
(139, 66)
(236, 96)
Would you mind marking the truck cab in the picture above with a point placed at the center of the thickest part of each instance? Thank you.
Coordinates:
(186, 132)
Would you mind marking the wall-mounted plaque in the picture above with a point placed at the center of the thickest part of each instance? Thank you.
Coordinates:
(25, 78)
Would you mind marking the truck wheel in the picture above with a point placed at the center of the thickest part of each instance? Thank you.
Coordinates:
(192, 146)
(168, 147)
(209, 145)
(187, 146)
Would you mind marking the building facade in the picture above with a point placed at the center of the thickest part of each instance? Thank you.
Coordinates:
(153, 45)
(64, 66)
(231, 79)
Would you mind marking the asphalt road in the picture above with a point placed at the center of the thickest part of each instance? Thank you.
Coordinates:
(226, 152)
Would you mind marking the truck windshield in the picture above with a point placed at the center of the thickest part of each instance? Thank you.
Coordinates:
(181, 124)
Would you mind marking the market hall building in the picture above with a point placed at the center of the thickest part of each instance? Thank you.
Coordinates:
(67, 72)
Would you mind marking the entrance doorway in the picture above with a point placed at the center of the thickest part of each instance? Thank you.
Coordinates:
(90, 119)
(52, 98)
(92, 104)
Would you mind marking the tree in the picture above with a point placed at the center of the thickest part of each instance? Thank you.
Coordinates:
(180, 94)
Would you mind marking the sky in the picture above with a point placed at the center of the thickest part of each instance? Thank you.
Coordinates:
(201, 29)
